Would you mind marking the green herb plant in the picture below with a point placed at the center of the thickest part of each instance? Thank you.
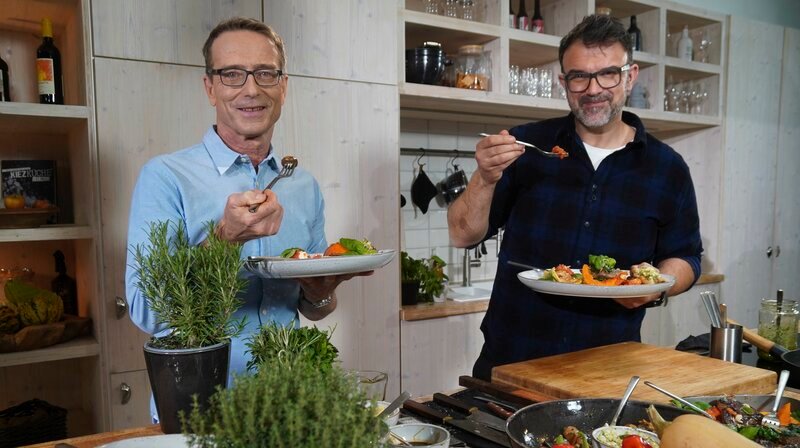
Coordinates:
(428, 271)
(280, 407)
(193, 290)
(285, 345)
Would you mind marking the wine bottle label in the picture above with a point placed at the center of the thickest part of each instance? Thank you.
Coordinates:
(537, 26)
(512, 21)
(524, 23)
(45, 76)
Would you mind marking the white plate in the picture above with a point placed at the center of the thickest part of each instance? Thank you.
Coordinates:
(277, 267)
(165, 441)
(532, 279)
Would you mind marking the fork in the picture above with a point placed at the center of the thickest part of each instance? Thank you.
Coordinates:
(771, 419)
(541, 151)
(289, 163)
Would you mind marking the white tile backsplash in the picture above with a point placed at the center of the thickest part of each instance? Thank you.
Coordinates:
(426, 234)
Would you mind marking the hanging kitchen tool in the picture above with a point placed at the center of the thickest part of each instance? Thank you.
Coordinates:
(422, 189)
(454, 183)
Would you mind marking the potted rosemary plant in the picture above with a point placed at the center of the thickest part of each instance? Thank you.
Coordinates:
(193, 291)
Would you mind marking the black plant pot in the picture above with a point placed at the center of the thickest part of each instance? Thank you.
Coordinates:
(409, 292)
(177, 375)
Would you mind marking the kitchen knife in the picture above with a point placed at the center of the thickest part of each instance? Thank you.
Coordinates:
(498, 403)
(469, 426)
(475, 414)
(504, 393)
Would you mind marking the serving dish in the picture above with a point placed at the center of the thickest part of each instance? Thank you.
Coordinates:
(533, 279)
(277, 267)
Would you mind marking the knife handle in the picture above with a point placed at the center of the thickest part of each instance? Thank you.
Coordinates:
(454, 403)
(425, 411)
(499, 411)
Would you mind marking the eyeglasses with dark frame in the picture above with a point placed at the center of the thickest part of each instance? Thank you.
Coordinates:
(607, 78)
(237, 77)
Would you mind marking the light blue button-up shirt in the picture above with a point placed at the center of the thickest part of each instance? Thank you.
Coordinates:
(191, 186)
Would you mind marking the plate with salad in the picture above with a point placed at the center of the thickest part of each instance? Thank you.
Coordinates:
(346, 256)
(598, 278)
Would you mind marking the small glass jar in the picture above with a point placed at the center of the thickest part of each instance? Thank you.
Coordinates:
(473, 68)
(778, 324)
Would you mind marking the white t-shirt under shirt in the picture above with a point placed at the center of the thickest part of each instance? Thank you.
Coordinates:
(596, 155)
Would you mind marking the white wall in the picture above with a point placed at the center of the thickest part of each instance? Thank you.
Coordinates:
(781, 12)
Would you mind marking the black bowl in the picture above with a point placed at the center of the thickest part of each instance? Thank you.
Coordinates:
(424, 66)
(548, 419)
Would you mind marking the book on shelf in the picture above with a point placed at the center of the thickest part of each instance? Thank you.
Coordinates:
(31, 181)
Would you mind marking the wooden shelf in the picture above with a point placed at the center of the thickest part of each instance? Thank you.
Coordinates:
(41, 118)
(82, 347)
(47, 233)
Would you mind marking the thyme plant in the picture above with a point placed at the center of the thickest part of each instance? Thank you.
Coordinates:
(193, 290)
(279, 407)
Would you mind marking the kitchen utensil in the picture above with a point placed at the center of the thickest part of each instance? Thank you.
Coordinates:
(289, 163)
(541, 151)
(426, 64)
(631, 385)
(497, 403)
(576, 374)
(473, 413)
(790, 359)
(525, 266)
(399, 439)
(422, 190)
(453, 185)
(469, 426)
(508, 396)
(679, 399)
(711, 308)
(716, 309)
(498, 410)
(771, 419)
(725, 343)
(396, 403)
(546, 420)
(757, 402)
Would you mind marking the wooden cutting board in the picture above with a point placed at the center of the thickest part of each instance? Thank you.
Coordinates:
(604, 372)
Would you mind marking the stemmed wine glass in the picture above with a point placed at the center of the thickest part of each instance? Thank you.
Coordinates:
(702, 48)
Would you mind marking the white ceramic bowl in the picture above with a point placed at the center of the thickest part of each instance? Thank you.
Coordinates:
(611, 436)
(434, 436)
(390, 419)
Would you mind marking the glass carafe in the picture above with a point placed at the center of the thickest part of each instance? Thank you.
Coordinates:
(473, 68)
(778, 323)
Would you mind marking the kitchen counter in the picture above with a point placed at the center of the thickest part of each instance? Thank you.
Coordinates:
(94, 440)
(448, 308)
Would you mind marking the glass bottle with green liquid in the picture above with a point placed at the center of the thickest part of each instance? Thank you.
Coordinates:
(778, 322)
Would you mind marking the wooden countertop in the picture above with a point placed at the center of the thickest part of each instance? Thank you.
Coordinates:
(94, 440)
(448, 308)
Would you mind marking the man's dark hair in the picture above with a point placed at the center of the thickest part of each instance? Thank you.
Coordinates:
(597, 30)
(244, 24)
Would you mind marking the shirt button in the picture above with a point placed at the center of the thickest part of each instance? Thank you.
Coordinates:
(263, 312)
(243, 159)
(577, 262)
(586, 224)
(594, 197)
(594, 187)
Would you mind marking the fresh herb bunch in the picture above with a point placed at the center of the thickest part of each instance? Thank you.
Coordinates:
(428, 271)
(602, 263)
(279, 407)
(286, 345)
(193, 290)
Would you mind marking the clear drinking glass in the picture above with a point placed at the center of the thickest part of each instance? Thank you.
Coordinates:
(372, 382)
(545, 83)
(514, 80)
(432, 6)
(467, 9)
(450, 8)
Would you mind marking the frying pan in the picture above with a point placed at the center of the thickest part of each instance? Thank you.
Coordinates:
(789, 358)
(548, 419)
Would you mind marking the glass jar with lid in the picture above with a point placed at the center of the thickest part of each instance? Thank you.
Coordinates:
(778, 322)
(473, 68)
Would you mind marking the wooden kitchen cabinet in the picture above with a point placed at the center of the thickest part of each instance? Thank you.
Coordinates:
(68, 375)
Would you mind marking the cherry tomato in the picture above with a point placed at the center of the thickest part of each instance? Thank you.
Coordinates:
(634, 441)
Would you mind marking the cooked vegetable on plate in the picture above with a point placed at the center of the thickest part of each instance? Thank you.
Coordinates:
(601, 271)
(343, 247)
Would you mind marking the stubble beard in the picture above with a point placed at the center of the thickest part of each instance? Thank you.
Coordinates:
(602, 115)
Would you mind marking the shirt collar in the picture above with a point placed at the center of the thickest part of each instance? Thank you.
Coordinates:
(224, 158)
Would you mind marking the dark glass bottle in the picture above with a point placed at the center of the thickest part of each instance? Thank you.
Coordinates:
(64, 286)
(512, 18)
(48, 67)
(636, 34)
(537, 22)
(5, 92)
(523, 21)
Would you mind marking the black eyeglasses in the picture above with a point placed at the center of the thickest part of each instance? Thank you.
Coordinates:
(607, 78)
(236, 77)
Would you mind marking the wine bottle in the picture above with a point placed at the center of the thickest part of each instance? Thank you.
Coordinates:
(636, 34)
(64, 286)
(512, 18)
(685, 45)
(537, 23)
(5, 91)
(48, 67)
(523, 21)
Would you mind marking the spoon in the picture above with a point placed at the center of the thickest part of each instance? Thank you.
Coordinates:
(686, 403)
(631, 385)
(289, 163)
(394, 404)
(399, 439)
(541, 151)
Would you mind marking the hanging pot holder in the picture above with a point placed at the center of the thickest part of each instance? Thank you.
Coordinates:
(422, 191)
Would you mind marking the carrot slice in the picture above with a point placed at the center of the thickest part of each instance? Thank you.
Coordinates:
(589, 279)
(785, 414)
(335, 249)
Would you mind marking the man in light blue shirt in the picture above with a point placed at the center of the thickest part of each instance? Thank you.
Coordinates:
(222, 178)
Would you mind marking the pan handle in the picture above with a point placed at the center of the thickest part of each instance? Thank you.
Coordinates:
(760, 341)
